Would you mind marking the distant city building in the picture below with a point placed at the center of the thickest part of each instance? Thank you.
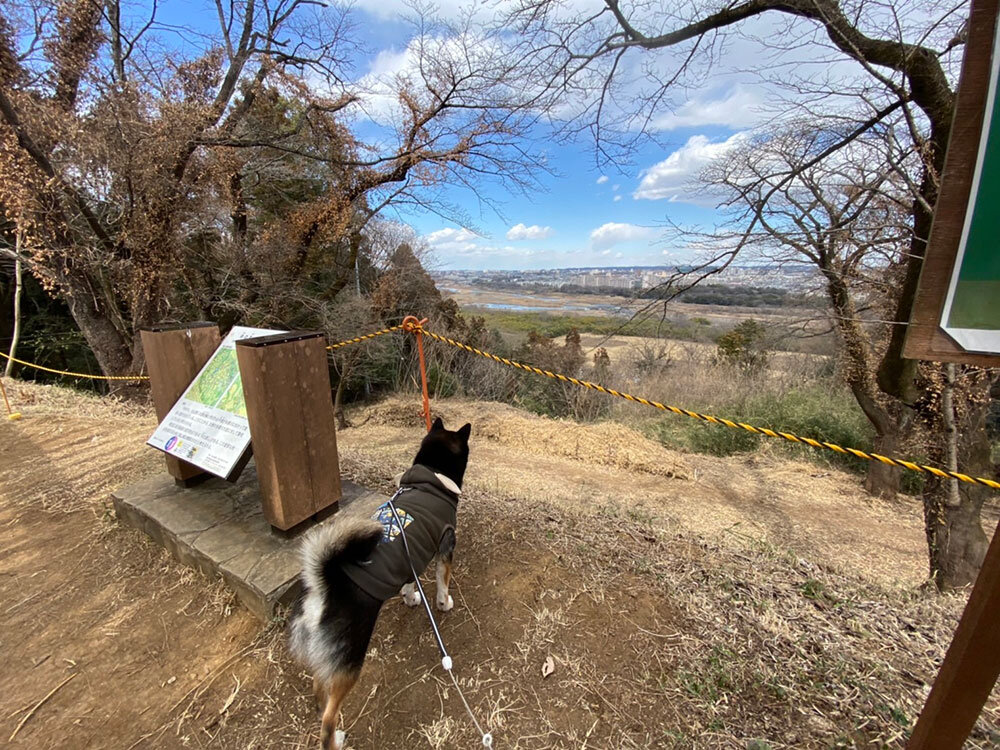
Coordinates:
(632, 278)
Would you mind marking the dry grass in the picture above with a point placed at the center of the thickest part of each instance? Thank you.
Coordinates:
(819, 512)
(606, 444)
(669, 623)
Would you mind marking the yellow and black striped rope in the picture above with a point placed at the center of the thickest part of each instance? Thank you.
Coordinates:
(359, 339)
(84, 375)
(911, 465)
(88, 376)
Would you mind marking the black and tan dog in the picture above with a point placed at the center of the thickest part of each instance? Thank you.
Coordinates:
(355, 563)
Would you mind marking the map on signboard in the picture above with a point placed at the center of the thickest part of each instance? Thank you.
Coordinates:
(208, 425)
(971, 313)
(219, 385)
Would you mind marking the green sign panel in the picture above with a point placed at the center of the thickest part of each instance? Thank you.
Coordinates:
(971, 313)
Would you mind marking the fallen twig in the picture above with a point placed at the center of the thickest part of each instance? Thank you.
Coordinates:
(38, 705)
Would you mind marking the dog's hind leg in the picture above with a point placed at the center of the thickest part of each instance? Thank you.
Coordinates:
(319, 690)
(411, 596)
(446, 553)
(332, 738)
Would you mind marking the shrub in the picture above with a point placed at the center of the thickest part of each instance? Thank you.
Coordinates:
(743, 347)
(818, 412)
(441, 383)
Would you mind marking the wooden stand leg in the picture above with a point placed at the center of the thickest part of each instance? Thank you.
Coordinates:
(175, 354)
(970, 667)
(286, 386)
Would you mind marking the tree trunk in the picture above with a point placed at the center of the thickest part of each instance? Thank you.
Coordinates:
(18, 286)
(955, 536)
(338, 405)
(890, 424)
(883, 480)
(105, 340)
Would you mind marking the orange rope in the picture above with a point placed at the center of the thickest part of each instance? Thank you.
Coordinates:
(412, 325)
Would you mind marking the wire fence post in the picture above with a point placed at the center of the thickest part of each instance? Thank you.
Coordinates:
(415, 326)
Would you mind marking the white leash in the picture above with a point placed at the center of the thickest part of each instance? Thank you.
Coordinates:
(446, 662)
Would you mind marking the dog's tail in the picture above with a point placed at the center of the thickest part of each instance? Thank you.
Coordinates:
(347, 538)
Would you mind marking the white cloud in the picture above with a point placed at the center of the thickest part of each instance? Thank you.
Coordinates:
(534, 232)
(453, 245)
(393, 10)
(617, 198)
(611, 234)
(602, 179)
(676, 175)
(737, 108)
(418, 70)
(451, 240)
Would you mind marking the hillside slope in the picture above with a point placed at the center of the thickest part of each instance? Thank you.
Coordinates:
(685, 601)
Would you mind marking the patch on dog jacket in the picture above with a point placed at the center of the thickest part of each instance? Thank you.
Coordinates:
(427, 509)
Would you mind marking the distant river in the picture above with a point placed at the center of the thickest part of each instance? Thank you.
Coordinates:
(536, 308)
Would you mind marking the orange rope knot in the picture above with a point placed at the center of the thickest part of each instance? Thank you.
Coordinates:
(412, 325)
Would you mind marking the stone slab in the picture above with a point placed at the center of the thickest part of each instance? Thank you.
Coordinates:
(218, 528)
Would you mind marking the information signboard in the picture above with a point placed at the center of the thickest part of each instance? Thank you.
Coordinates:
(971, 313)
(955, 315)
(208, 425)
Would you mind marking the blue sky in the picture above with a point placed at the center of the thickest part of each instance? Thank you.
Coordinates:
(585, 215)
(582, 215)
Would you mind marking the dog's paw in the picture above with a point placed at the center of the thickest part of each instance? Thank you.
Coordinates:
(412, 599)
(339, 740)
(445, 605)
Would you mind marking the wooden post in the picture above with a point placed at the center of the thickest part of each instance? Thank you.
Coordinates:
(286, 386)
(174, 355)
(970, 667)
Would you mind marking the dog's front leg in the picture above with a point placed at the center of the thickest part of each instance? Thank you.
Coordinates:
(446, 553)
(411, 596)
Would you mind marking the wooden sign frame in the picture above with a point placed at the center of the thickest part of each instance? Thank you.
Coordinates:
(175, 354)
(925, 338)
(286, 387)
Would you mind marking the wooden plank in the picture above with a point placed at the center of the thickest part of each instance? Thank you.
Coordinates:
(319, 424)
(174, 356)
(286, 386)
(925, 338)
(970, 668)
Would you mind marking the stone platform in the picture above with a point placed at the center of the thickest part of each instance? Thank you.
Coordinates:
(218, 528)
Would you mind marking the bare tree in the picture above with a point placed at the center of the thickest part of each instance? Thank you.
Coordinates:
(149, 180)
(847, 217)
(902, 85)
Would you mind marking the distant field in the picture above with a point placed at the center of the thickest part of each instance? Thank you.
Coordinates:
(555, 324)
(589, 305)
(555, 314)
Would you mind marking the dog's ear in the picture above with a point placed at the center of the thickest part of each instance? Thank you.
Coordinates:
(465, 431)
(438, 425)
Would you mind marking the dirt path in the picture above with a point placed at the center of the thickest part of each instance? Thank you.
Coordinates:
(821, 514)
(659, 638)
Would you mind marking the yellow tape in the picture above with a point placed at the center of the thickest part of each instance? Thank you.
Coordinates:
(84, 375)
(791, 437)
(359, 339)
(88, 376)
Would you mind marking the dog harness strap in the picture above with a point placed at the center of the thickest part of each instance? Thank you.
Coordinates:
(426, 510)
